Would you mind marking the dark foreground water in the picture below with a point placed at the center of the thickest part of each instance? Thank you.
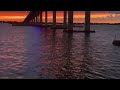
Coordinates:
(31, 52)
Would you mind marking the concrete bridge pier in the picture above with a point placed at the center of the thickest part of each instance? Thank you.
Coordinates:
(65, 20)
(46, 18)
(35, 19)
(87, 21)
(70, 21)
(40, 18)
(31, 21)
(69, 26)
(54, 19)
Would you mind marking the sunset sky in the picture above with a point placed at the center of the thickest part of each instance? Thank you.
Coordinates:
(96, 16)
(13, 15)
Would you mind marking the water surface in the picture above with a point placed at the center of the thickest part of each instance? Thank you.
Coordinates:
(39, 53)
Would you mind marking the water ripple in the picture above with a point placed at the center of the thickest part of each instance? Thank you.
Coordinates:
(32, 52)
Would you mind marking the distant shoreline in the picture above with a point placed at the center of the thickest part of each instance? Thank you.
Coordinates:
(62, 23)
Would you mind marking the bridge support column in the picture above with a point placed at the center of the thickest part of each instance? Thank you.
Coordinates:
(54, 19)
(70, 20)
(87, 21)
(65, 20)
(46, 22)
(40, 17)
(35, 19)
(32, 21)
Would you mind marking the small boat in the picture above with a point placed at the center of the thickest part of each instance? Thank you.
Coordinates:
(116, 42)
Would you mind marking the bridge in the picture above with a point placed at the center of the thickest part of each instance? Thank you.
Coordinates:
(35, 18)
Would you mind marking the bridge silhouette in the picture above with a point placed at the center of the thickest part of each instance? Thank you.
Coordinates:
(35, 18)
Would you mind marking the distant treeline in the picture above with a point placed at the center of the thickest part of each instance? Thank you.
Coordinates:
(94, 23)
(62, 23)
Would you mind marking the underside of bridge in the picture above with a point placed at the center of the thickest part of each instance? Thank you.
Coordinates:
(35, 18)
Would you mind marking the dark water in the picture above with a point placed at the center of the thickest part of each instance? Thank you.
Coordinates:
(32, 52)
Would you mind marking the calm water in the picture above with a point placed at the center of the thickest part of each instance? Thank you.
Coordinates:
(32, 52)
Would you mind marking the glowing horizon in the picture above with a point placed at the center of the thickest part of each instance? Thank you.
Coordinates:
(18, 16)
(96, 17)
